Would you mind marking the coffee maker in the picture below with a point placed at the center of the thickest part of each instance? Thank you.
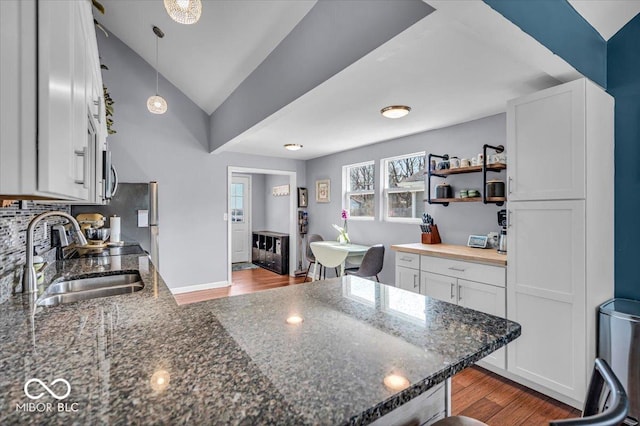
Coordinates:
(502, 240)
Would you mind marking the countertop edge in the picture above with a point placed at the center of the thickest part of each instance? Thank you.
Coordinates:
(428, 250)
(417, 389)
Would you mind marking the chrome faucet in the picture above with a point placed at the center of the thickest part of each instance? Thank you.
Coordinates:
(29, 275)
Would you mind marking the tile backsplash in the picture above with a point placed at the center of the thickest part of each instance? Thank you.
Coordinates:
(14, 220)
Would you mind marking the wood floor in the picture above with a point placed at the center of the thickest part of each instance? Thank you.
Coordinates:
(476, 392)
(247, 281)
(490, 398)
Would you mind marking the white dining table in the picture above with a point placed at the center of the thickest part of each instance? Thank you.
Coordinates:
(333, 254)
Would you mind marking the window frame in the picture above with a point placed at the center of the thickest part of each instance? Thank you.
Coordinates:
(384, 210)
(346, 194)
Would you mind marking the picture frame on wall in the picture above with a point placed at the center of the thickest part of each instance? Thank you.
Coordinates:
(303, 197)
(323, 191)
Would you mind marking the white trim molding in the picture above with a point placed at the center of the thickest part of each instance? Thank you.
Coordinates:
(199, 287)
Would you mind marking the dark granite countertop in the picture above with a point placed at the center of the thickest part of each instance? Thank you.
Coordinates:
(140, 358)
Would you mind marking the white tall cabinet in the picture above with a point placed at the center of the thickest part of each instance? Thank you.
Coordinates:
(560, 234)
(49, 76)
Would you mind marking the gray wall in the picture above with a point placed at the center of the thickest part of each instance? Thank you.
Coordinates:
(455, 222)
(277, 208)
(324, 43)
(173, 150)
(258, 212)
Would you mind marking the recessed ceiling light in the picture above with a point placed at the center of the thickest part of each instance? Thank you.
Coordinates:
(292, 146)
(295, 320)
(395, 111)
(396, 382)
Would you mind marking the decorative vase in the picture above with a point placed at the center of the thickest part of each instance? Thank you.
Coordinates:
(343, 238)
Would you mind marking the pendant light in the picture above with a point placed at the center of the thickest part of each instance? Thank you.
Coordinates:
(156, 104)
(184, 11)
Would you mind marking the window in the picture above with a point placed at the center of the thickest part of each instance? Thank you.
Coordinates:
(237, 202)
(358, 187)
(404, 187)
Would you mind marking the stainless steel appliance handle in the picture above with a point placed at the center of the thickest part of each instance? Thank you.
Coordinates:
(115, 181)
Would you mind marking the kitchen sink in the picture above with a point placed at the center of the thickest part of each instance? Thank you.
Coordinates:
(90, 288)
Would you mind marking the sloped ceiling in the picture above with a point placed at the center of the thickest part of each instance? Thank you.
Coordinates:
(459, 63)
(209, 59)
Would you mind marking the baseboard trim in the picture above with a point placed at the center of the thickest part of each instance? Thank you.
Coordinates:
(199, 287)
(536, 387)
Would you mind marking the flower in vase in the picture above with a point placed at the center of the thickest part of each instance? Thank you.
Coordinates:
(343, 235)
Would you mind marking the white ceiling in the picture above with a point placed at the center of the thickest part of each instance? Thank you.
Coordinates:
(607, 16)
(208, 60)
(439, 67)
(462, 62)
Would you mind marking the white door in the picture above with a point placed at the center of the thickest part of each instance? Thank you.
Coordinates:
(439, 287)
(408, 279)
(546, 144)
(240, 219)
(490, 300)
(546, 294)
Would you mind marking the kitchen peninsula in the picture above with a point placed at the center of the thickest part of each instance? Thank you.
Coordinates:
(141, 358)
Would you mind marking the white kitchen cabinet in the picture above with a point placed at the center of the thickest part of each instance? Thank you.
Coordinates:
(408, 271)
(439, 287)
(545, 142)
(408, 279)
(560, 235)
(547, 292)
(45, 146)
(487, 298)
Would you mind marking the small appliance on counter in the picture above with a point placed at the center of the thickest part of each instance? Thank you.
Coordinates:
(92, 224)
(502, 239)
(135, 207)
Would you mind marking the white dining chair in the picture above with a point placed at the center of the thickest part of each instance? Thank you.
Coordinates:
(328, 257)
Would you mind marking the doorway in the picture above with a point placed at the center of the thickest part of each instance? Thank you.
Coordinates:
(241, 202)
(240, 199)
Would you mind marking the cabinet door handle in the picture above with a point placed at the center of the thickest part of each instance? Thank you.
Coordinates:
(415, 281)
(406, 259)
(83, 153)
(509, 184)
(508, 218)
(459, 293)
(453, 268)
(452, 290)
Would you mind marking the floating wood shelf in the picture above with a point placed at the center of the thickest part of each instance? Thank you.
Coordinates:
(468, 200)
(483, 168)
(496, 167)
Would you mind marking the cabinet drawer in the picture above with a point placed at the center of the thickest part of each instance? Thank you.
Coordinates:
(408, 260)
(494, 275)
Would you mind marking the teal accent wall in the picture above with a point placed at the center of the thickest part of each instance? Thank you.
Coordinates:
(623, 82)
(615, 65)
(557, 25)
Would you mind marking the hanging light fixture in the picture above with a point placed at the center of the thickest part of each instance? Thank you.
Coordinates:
(184, 11)
(156, 104)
